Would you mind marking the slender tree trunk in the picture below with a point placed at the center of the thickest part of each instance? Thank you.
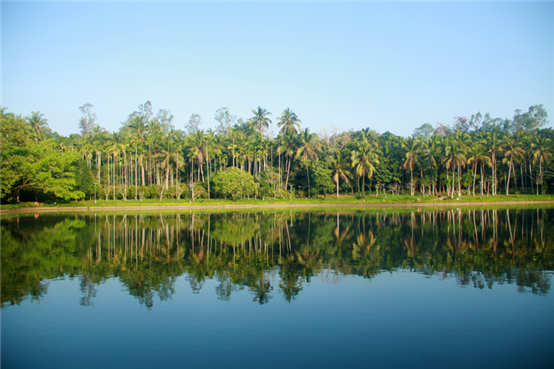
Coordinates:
(541, 177)
(136, 172)
(522, 184)
(208, 157)
(482, 179)
(308, 174)
(508, 180)
(531, 176)
(459, 181)
(474, 176)
(411, 183)
(453, 182)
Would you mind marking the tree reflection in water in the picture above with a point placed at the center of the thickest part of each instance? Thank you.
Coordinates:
(260, 251)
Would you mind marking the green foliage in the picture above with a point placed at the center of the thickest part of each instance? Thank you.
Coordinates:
(234, 230)
(84, 178)
(234, 182)
(268, 181)
(321, 177)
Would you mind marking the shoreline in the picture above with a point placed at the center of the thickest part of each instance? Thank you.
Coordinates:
(269, 206)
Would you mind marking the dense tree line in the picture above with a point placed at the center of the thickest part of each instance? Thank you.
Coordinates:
(149, 158)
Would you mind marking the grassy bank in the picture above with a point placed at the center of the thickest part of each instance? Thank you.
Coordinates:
(343, 200)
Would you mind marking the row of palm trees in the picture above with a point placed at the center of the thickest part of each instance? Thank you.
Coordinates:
(151, 152)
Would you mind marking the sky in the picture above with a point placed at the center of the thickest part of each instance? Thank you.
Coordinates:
(338, 66)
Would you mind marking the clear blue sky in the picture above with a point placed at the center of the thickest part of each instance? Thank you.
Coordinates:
(387, 66)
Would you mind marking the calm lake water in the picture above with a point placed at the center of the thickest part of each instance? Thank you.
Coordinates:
(327, 289)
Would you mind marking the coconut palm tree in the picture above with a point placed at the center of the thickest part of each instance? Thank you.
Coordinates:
(512, 147)
(39, 125)
(138, 127)
(542, 153)
(197, 150)
(260, 119)
(451, 154)
(117, 147)
(493, 142)
(410, 147)
(309, 146)
(478, 155)
(288, 146)
(363, 160)
(339, 169)
(289, 122)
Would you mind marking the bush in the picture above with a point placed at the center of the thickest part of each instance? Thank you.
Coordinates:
(235, 182)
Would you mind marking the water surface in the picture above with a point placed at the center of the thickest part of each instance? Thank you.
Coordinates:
(279, 289)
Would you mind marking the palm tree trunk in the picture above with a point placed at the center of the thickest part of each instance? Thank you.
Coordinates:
(288, 173)
(531, 176)
(308, 174)
(459, 181)
(542, 180)
(453, 182)
(136, 172)
(474, 177)
(411, 183)
(509, 175)
(482, 179)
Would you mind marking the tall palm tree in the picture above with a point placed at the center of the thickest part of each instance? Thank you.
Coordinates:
(260, 119)
(451, 155)
(138, 127)
(117, 147)
(288, 146)
(339, 169)
(512, 147)
(165, 153)
(39, 124)
(542, 153)
(478, 155)
(197, 150)
(289, 122)
(309, 146)
(410, 147)
(493, 142)
(363, 160)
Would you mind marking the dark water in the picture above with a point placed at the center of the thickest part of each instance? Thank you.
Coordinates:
(456, 288)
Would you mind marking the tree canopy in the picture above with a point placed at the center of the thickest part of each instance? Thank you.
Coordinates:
(150, 157)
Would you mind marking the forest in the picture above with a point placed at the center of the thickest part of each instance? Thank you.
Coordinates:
(149, 158)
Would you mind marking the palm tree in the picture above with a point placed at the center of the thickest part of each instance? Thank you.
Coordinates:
(542, 152)
(410, 147)
(179, 143)
(138, 127)
(478, 155)
(197, 149)
(289, 122)
(451, 154)
(363, 160)
(116, 148)
(99, 138)
(494, 144)
(166, 151)
(39, 124)
(511, 147)
(288, 146)
(260, 119)
(339, 167)
(309, 147)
